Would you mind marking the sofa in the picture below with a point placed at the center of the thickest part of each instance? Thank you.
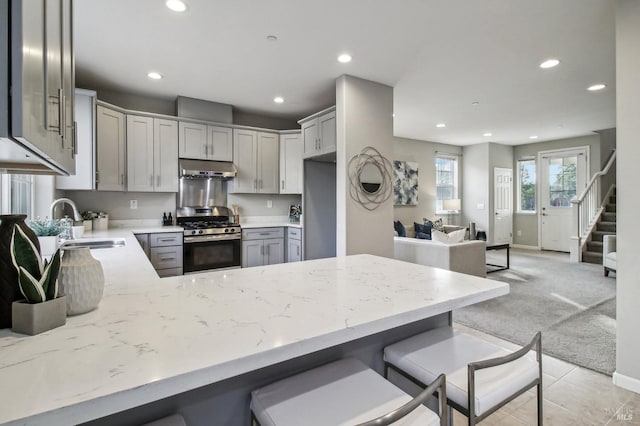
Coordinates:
(609, 254)
(467, 257)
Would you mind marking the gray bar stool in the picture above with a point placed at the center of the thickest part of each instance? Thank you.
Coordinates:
(481, 377)
(345, 392)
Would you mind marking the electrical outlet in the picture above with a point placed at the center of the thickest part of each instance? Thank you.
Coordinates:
(480, 206)
(133, 204)
(269, 204)
(519, 233)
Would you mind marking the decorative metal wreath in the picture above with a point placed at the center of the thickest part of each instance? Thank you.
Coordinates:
(370, 200)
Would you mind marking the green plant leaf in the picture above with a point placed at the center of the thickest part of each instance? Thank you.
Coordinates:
(25, 254)
(50, 276)
(30, 287)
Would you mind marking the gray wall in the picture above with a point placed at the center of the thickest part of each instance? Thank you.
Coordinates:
(525, 225)
(136, 102)
(319, 210)
(628, 174)
(476, 186)
(256, 204)
(249, 119)
(607, 145)
(151, 205)
(423, 153)
(363, 118)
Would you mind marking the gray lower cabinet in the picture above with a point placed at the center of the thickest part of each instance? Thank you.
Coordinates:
(294, 244)
(262, 246)
(164, 250)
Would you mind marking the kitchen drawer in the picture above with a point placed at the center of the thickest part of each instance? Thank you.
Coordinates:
(294, 233)
(165, 239)
(171, 272)
(166, 257)
(262, 233)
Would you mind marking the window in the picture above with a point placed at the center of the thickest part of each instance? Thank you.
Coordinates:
(527, 186)
(16, 194)
(446, 181)
(562, 180)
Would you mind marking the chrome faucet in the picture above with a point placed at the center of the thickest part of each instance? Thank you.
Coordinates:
(76, 214)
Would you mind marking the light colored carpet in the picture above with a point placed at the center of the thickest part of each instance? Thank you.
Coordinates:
(572, 304)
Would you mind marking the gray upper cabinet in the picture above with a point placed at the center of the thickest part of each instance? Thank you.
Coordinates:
(291, 163)
(319, 133)
(205, 142)
(256, 157)
(152, 154)
(42, 80)
(110, 149)
(85, 112)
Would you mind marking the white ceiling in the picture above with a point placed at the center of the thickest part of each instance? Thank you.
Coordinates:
(439, 55)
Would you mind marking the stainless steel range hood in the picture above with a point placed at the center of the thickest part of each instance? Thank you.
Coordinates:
(207, 169)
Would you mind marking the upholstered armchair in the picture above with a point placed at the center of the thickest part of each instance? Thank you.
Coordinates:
(609, 254)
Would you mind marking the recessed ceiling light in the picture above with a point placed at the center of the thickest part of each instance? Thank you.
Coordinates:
(278, 99)
(344, 58)
(272, 38)
(595, 87)
(549, 63)
(533, 137)
(393, 115)
(154, 75)
(176, 5)
(476, 103)
(441, 125)
(486, 135)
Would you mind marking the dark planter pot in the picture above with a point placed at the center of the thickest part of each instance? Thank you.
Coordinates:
(9, 289)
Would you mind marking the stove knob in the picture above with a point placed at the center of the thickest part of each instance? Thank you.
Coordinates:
(232, 230)
(226, 229)
(201, 232)
(193, 232)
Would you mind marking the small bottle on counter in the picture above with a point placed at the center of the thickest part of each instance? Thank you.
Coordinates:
(170, 219)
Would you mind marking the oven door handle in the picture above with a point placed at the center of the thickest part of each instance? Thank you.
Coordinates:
(209, 238)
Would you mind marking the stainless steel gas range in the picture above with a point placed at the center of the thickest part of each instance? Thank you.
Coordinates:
(211, 240)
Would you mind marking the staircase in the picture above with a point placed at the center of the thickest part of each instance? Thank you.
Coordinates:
(606, 225)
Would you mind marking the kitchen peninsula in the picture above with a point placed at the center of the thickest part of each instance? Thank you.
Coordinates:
(213, 336)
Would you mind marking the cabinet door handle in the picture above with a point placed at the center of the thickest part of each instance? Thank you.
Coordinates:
(61, 124)
(158, 181)
(164, 259)
(150, 180)
(298, 250)
(121, 178)
(283, 184)
(166, 239)
(260, 183)
(75, 138)
(264, 233)
(255, 184)
(211, 149)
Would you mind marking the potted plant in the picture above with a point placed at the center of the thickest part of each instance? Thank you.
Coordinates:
(47, 231)
(42, 309)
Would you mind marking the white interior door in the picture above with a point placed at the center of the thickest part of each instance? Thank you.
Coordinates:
(503, 205)
(562, 178)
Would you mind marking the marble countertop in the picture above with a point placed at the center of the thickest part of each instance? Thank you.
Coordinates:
(151, 338)
(270, 225)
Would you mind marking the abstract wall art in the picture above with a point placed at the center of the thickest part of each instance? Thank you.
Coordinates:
(405, 183)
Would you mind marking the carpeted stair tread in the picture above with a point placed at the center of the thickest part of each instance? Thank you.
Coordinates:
(609, 217)
(592, 257)
(595, 246)
(610, 208)
(606, 226)
(597, 235)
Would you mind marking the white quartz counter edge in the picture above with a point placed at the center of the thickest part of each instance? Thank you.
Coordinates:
(140, 345)
(270, 225)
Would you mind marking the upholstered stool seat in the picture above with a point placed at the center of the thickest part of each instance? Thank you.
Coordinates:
(463, 359)
(344, 392)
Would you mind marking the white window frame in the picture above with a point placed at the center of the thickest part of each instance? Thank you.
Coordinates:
(519, 187)
(456, 182)
(5, 196)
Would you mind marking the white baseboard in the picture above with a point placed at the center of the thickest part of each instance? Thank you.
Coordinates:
(626, 382)
(519, 246)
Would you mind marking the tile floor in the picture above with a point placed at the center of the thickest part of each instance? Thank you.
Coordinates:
(572, 396)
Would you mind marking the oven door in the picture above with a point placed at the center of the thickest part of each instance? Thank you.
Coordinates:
(203, 255)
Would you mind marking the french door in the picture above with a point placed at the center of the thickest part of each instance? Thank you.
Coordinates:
(563, 176)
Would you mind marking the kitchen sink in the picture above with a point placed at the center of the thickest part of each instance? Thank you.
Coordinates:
(93, 243)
